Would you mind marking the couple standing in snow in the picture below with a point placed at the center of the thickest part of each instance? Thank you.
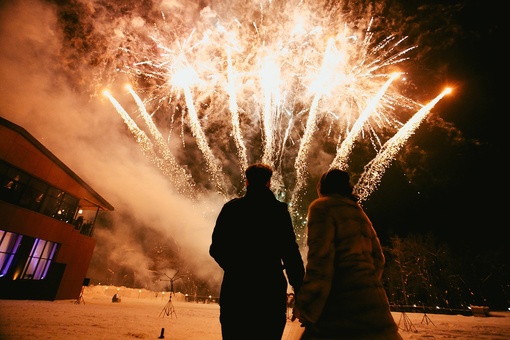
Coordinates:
(341, 296)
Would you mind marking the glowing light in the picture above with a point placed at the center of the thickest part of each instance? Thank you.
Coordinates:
(272, 88)
(167, 164)
(376, 167)
(341, 158)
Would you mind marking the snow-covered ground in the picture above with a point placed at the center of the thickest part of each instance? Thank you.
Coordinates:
(143, 314)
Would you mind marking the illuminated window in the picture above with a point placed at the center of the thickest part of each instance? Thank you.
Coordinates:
(39, 260)
(9, 243)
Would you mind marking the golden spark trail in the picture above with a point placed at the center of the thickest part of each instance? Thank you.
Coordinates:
(340, 160)
(371, 177)
(140, 136)
(177, 173)
(234, 115)
(311, 126)
(269, 73)
(264, 79)
(213, 168)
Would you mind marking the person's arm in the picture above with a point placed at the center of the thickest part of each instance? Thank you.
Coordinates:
(291, 256)
(315, 290)
(377, 255)
(218, 248)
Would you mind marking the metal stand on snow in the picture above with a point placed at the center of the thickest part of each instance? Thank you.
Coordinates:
(426, 320)
(80, 299)
(408, 325)
(169, 309)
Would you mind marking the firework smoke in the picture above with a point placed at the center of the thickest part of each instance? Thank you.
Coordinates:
(212, 88)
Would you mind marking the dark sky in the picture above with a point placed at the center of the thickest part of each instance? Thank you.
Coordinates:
(465, 205)
(448, 179)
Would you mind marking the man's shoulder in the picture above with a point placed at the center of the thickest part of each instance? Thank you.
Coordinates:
(282, 204)
(233, 201)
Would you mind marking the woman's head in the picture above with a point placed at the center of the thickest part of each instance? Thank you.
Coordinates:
(335, 181)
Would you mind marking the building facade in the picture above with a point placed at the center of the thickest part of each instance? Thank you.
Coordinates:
(47, 218)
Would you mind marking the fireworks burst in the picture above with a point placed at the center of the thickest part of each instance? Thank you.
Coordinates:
(277, 83)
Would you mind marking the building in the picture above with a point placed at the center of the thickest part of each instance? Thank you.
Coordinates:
(47, 217)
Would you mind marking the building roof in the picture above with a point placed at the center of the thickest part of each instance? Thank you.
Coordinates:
(93, 199)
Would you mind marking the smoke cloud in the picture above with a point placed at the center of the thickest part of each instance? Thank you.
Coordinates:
(55, 61)
(44, 89)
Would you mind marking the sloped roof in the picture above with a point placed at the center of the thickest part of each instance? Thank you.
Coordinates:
(92, 199)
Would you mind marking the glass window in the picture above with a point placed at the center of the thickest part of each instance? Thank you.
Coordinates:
(13, 183)
(68, 208)
(33, 195)
(52, 202)
(3, 169)
(9, 243)
(18, 187)
(39, 260)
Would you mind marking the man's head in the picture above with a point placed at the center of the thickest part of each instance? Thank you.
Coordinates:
(258, 175)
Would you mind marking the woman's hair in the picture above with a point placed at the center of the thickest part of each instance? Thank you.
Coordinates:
(336, 181)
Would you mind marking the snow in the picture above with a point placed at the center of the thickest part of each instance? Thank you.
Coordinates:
(143, 314)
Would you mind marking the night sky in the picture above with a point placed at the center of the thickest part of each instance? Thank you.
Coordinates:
(462, 200)
(448, 180)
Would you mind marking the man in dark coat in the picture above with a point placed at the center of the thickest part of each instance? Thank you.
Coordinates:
(254, 242)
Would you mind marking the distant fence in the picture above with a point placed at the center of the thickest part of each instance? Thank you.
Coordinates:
(431, 310)
(142, 293)
(480, 310)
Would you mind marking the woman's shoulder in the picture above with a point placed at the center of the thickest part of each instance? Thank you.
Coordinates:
(333, 200)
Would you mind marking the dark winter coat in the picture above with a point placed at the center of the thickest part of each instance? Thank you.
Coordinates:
(342, 296)
(254, 242)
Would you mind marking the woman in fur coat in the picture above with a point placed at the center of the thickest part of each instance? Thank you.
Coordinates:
(342, 296)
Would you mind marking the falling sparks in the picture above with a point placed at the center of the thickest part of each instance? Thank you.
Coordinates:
(272, 88)
(342, 156)
(166, 163)
(376, 167)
